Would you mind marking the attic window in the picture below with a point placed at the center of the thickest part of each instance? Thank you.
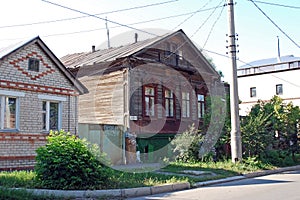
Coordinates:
(33, 64)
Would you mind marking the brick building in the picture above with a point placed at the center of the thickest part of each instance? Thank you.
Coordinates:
(37, 94)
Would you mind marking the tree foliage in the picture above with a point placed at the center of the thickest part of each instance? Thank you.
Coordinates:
(270, 131)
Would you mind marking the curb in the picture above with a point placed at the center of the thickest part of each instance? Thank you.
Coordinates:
(144, 191)
(245, 176)
(129, 192)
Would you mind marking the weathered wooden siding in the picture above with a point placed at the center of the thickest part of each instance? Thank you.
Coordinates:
(104, 104)
(162, 76)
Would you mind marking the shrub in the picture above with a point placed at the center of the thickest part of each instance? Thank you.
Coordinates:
(187, 145)
(67, 162)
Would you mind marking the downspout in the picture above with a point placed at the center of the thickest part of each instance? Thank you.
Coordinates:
(69, 110)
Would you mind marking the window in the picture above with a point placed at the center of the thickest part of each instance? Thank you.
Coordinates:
(253, 92)
(185, 110)
(169, 103)
(51, 116)
(149, 98)
(201, 105)
(279, 89)
(33, 64)
(8, 112)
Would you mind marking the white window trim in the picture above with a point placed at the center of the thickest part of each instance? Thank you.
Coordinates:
(4, 94)
(60, 107)
(51, 98)
(12, 93)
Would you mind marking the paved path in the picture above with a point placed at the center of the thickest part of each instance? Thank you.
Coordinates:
(280, 186)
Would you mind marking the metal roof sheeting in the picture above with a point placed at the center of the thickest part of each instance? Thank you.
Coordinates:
(270, 61)
(106, 55)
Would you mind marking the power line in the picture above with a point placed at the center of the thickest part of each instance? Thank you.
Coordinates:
(207, 19)
(213, 26)
(276, 4)
(91, 15)
(79, 17)
(191, 15)
(275, 24)
(117, 26)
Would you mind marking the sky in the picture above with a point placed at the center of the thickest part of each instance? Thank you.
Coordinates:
(207, 28)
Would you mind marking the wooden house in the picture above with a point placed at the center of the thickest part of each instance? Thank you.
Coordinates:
(37, 94)
(142, 94)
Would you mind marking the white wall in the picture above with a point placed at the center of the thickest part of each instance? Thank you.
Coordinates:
(266, 88)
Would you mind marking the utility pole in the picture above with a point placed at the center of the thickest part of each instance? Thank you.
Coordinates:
(236, 142)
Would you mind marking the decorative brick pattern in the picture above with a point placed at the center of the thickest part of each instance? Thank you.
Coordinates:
(18, 148)
(36, 88)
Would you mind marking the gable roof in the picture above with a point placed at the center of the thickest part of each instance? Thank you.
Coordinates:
(7, 51)
(270, 61)
(90, 58)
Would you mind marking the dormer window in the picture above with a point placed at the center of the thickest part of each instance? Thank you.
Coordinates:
(34, 64)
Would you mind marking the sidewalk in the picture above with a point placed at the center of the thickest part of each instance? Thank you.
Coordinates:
(144, 191)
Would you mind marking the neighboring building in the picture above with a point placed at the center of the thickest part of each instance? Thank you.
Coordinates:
(262, 79)
(142, 94)
(37, 94)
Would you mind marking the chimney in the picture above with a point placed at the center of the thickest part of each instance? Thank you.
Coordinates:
(135, 37)
(278, 50)
(93, 48)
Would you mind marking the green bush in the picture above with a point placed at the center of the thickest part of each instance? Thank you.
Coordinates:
(278, 158)
(67, 162)
(187, 144)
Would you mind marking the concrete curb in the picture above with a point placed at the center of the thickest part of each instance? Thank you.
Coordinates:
(144, 191)
(245, 176)
(129, 192)
(217, 181)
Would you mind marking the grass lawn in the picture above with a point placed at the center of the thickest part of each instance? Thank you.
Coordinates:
(119, 179)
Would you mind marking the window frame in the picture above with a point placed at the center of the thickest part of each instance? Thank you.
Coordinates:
(279, 89)
(154, 100)
(4, 95)
(187, 104)
(253, 92)
(169, 99)
(33, 64)
(47, 112)
(51, 99)
(200, 106)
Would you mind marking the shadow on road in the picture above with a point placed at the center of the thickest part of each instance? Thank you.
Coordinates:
(250, 182)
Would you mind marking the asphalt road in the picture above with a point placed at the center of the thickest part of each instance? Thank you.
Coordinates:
(283, 186)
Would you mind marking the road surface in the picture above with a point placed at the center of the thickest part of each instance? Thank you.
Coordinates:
(283, 186)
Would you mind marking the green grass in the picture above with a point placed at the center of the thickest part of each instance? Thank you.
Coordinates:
(119, 179)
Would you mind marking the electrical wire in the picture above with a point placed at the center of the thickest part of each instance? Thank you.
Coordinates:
(276, 4)
(198, 29)
(185, 20)
(85, 16)
(213, 26)
(104, 19)
(275, 24)
(117, 26)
